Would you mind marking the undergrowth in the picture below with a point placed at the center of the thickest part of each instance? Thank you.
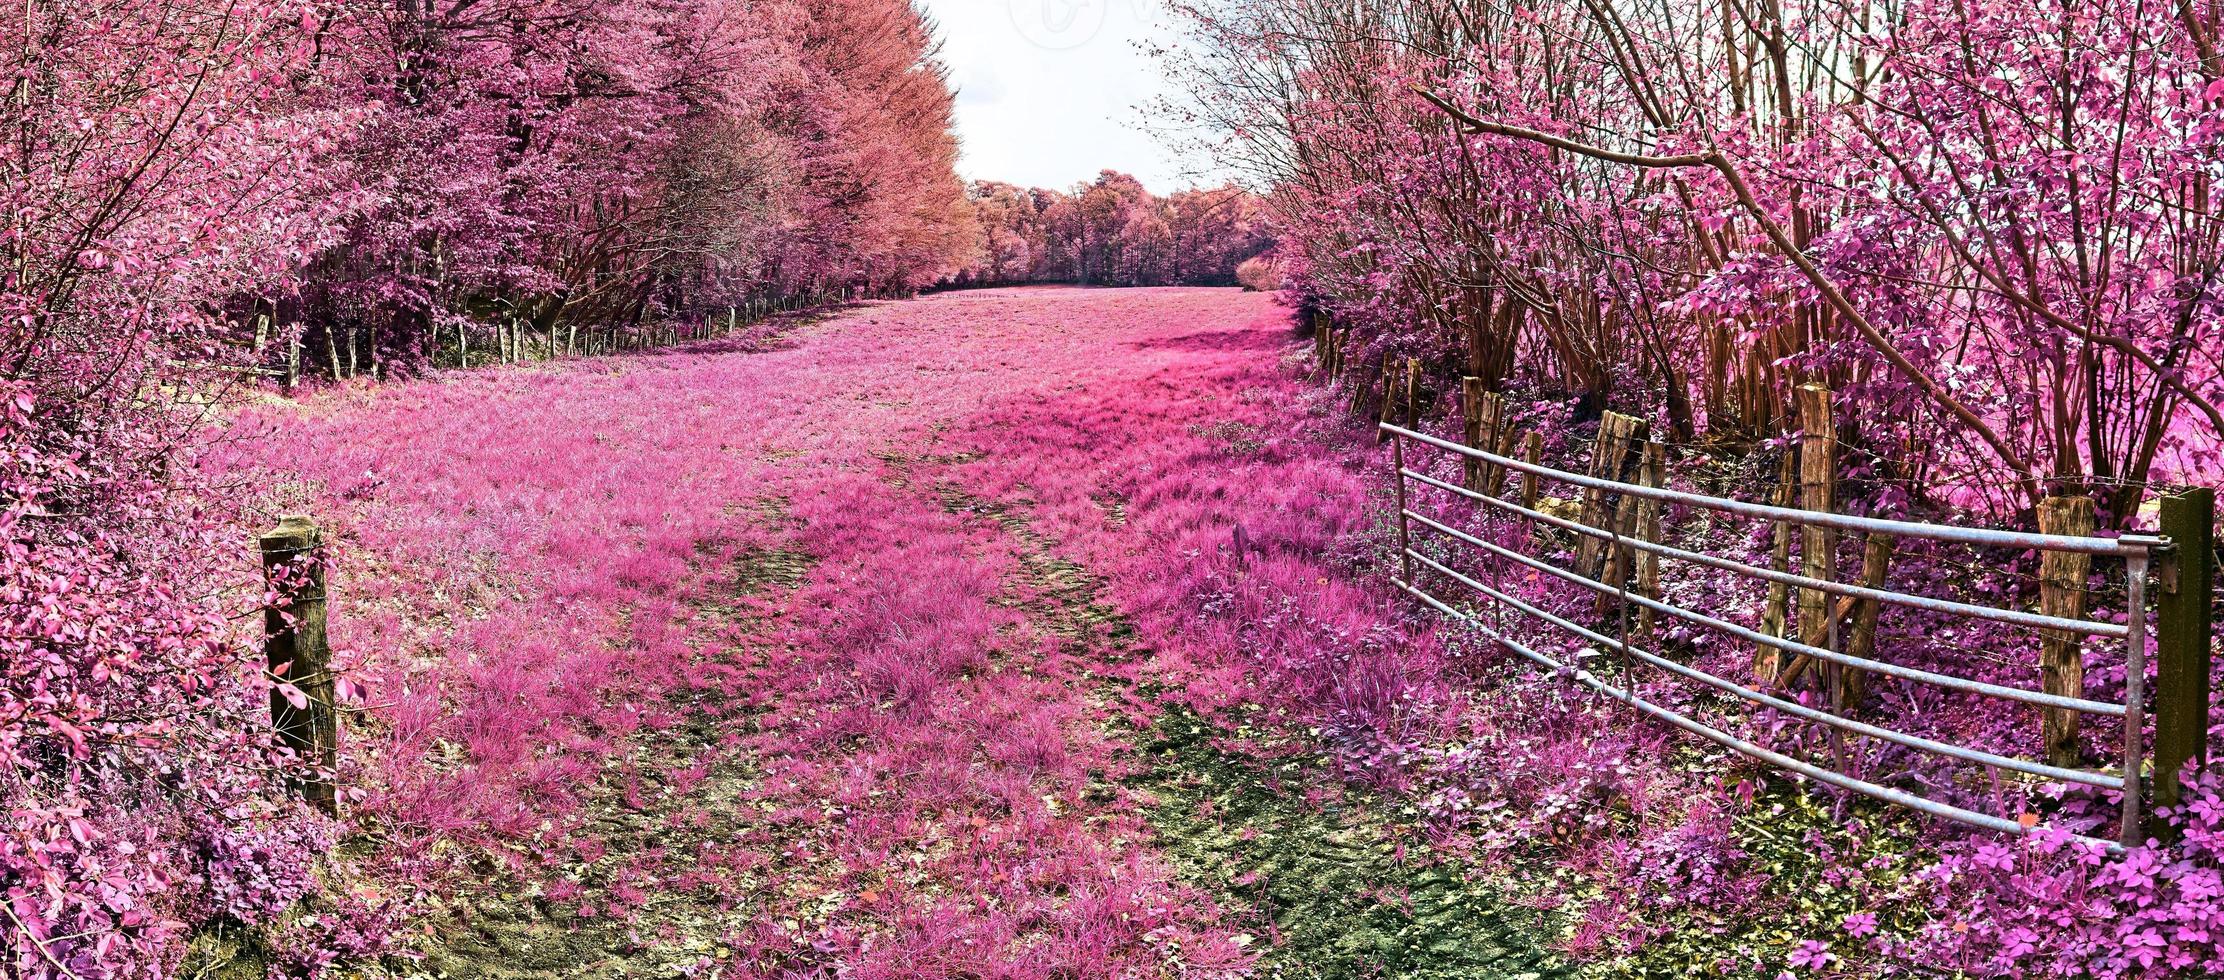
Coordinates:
(1336, 881)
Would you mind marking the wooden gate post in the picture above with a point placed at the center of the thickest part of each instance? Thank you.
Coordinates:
(1616, 570)
(1532, 449)
(1494, 440)
(1389, 412)
(1618, 437)
(1494, 475)
(1769, 661)
(295, 649)
(1876, 564)
(2182, 642)
(1652, 471)
(2062, 593)
(1471, 415)
(1486, 430)
(1412, 395)
(1818, 483)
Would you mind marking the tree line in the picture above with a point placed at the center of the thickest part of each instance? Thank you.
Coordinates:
(1112, 232)
(1994, 229)
(198, 192)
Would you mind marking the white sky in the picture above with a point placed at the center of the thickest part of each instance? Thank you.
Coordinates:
(1051, 91)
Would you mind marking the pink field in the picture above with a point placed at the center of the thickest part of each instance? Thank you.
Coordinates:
(836, 581)
(831, 654)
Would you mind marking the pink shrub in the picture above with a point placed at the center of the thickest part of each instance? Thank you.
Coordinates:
(1259, 273)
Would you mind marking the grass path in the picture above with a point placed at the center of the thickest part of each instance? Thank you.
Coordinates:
(823, 656)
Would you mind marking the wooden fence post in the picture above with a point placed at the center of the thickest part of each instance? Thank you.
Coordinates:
(1652, 471)
(2062, 593)
(2182, 641)
(1768, 661)
(1615, 570)
(1876, 564)
(1617, 438)
(1471, 414)
(1389, 394)
(1494, 475)
(1493, 440)
(1818, 483)
(300, 661)
(1532, 449)
(1412, 403)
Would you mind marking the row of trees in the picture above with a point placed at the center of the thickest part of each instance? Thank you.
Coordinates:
(553, 166)
(197, 191)
(1994, 227)
(1113, 232)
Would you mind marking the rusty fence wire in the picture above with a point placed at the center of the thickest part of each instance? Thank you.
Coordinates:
(2139, 554)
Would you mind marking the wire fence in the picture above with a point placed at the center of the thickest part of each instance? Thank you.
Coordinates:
(1433, 579)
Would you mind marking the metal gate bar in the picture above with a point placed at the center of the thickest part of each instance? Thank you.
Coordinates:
(2126, 545)
(1963, 753)
(1948, 681)
(2016, 617)
(2136, 551)
(1727, 740)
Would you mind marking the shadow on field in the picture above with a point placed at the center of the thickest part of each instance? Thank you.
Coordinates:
(1216, 340)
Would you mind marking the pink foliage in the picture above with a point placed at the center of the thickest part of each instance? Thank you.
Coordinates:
(1114, 232)
(2005, 247)
(138, 794)
(201, 189)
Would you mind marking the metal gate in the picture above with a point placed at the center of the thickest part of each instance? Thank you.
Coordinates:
(2139, 553)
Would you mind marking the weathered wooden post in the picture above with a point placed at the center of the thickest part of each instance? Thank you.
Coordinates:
(1615, 569)
(1652, 471)
(1768, 661)
(1389, 413)
(1471, 414)
(1876, 564)
(2182, 640)
(1494, 475)
(1818, 483)
(299, 659)
(1532, 449)
(1618, 436)
(2062, 593)
(1412, 393)
(1487, 433)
